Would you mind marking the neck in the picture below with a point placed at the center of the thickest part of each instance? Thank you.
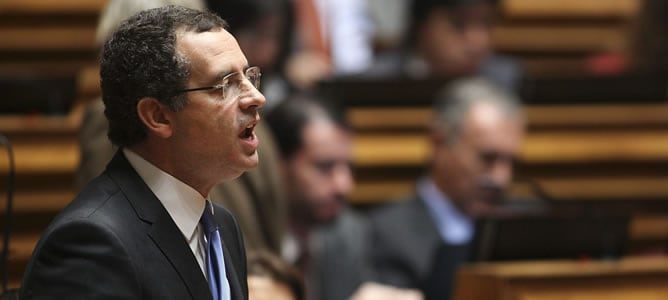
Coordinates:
(164, 160)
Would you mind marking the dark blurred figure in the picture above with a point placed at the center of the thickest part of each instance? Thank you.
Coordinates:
(475, 138)
(647, 45)
(304, 40)
(332, 37)
(326, 239)
(264, 30)
(450, 38)
(271, 278)
(649, 42)
(10, 294)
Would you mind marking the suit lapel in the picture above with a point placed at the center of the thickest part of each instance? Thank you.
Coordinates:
(429, 236)
(228, 237)
(163, 230)
(179, 254)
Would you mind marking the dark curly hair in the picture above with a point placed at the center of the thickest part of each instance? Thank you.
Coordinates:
(289, 118)
(140, 60)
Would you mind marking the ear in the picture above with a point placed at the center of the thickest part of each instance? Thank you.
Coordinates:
(155, 116)
(438, 135)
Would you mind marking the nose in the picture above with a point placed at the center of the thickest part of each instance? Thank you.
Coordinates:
(343, 180)
(479, 40)
(253, 100)
(501, 172)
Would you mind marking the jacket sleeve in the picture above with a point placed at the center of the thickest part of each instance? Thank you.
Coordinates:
(80, 260)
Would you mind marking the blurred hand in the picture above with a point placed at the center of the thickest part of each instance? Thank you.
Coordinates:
(375, 291)
(304, 69)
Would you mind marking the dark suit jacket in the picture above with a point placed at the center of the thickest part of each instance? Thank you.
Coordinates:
(116, 241)
(256, 198)
(407, 250)
(339, 262)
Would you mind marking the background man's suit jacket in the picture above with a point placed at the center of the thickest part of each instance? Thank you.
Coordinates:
(117, 241)
(339, 263)
(407, 250)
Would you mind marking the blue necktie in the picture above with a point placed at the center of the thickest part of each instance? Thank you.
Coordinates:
(215, 265)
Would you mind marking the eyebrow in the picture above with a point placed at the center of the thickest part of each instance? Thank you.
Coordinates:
(220, 76)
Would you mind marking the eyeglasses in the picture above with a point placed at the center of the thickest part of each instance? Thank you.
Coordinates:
(231, 84)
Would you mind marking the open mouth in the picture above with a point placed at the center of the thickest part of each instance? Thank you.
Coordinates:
(247, 133)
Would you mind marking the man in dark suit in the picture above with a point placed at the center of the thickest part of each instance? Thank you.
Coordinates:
(327, 239)
(451, 39)
(477, 134)
(182, 105)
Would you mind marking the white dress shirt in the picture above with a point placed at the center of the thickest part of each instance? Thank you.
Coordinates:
(455, 227)
(183, 203)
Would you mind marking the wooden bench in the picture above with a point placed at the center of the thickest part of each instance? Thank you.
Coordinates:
(558, 36)
(611, 155)
(639, 278)
(46, 158)
(589, 140)
(47, 36)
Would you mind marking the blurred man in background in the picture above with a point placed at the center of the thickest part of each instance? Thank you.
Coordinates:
(326, 239)
(316, 146)
(475, 140)
(450, 38)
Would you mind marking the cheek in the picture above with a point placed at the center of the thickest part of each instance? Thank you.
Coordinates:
(303, 179)
(316, 186)
(467, 169)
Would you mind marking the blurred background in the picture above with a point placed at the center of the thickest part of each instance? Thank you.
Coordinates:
(591, 75)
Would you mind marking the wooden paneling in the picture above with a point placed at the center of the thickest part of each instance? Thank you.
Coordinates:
(591, 9)
(53, 38)
(629, 278)
(557, 38)
(51, 6)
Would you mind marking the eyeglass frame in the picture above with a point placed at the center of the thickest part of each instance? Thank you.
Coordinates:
(225, 82)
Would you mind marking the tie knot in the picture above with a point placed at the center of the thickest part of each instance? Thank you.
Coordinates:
(207, 219)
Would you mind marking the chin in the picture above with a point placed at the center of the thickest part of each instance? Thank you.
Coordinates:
(326, 219)
(328, 215)
(250, 161)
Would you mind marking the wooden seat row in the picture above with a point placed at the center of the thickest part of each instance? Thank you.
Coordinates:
(57, 37)
(548, 36)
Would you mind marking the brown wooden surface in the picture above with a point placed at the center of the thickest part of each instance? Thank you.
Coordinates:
(593, 9)
(56, 37)
(563, 116)
(73, 38)
(539, 148)
(557, 38)
(629, 278)
(51, 6)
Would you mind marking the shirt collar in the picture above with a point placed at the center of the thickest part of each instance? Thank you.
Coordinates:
(183, 203)
(455, 227)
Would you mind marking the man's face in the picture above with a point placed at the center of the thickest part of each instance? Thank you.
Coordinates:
(456, 41)
(215, 133)
(476, 168)
(320, 174)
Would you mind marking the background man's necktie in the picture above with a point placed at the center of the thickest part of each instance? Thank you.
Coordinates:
(215, 265)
